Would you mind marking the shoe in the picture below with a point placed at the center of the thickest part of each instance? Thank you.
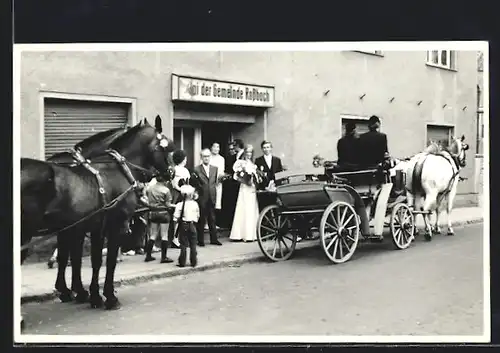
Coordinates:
(216, 242)
(166, 260)
(179, 265)
(201, 244)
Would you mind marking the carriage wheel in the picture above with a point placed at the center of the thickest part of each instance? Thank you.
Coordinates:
(274, 234)
(402, 226)
(339, 231)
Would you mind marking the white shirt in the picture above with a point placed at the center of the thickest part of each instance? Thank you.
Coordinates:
(191, 211)
(180, 173)
(207, 169)
(269, 160)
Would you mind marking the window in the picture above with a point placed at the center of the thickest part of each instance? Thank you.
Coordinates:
(361, 124)
(373, 52)
(480, 61)
(442, 58)
(441, 134)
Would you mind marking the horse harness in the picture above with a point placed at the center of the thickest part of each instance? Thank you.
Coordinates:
(107, 205)
(417, 174)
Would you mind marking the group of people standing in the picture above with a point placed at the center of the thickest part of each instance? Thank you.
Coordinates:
(209, 195)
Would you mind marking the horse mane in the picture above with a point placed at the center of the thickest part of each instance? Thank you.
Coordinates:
(97, 137)
(124, 138)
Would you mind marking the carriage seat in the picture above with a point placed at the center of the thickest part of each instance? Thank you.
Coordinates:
(359, 174)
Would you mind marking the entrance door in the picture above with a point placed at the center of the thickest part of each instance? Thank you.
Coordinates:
(187, 139)
(216, 132)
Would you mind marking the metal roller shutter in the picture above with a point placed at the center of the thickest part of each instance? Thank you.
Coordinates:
(67, 122)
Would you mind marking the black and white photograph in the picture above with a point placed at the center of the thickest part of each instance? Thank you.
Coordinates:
(251, 192)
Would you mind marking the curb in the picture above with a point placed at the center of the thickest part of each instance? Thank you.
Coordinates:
(155, 276)
(251, 258)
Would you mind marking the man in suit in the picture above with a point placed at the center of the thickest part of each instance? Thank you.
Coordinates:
(231, 186)
(348, 147)
(207, 179)
(373, 144)
(270, 165)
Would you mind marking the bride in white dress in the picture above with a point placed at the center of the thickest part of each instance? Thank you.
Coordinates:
(247, 209)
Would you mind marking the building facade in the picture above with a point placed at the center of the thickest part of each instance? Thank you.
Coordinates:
(297, 100)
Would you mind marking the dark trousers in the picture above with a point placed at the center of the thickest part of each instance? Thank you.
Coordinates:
(207, 213)
(187, 237)
(229, 199)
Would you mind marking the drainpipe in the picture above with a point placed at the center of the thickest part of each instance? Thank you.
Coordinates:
(478, 119)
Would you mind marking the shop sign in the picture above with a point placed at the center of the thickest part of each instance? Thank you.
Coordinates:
(191, 89)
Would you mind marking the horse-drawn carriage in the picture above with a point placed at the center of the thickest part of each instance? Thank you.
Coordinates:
(339, 205)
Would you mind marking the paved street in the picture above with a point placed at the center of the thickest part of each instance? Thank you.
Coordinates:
(429, 289)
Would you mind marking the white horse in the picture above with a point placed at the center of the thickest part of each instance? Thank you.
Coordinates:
(431, 183)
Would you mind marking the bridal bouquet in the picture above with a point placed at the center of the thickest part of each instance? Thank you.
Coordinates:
(246, 172)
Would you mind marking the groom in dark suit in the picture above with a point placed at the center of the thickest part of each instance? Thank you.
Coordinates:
(207, 180)
(270, 165)
(231, 186)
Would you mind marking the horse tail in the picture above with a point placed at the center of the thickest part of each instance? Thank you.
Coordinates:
(37, 190)
(416, 178)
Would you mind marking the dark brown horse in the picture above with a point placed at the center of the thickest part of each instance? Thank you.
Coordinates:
(79, 194)
(36, 195)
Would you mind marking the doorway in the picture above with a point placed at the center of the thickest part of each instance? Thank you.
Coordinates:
(216, 132)
(187, 138)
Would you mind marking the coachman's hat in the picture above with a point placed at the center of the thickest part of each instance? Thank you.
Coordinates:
(373, 120)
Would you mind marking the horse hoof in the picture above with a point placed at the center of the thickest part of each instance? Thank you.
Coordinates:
(50, 264)
(66, 297)
(451, 233)
(96, 302)
(437, 231)
(428, 236)
(112, 304)
(82, 297)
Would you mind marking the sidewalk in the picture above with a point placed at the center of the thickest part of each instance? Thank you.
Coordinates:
(37, 281)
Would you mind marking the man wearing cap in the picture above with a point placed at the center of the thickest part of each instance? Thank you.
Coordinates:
(373, 144)
(348, 147)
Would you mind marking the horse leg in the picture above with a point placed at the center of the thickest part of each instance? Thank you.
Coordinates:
(96, 243)
(437, 228)
(429, 201)
(114, 237)
(53, 259)
(449, 207)
(76, 269)
(62, 261)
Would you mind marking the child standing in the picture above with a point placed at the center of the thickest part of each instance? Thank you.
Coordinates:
(158, 195)
(186, 215)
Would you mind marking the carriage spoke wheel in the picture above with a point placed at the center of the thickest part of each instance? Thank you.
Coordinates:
(276, 241)
(402, 226)
(339, 231)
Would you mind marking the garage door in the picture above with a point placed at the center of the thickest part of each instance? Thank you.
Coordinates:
(67, 122)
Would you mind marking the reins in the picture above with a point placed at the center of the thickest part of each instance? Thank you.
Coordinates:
(124, 166)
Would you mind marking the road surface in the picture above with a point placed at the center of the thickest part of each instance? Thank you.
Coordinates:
(429, 289)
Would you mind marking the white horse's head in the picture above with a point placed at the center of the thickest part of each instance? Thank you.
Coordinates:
(457, 149)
